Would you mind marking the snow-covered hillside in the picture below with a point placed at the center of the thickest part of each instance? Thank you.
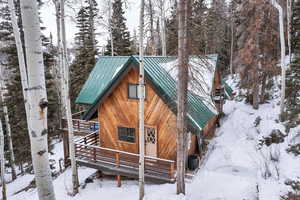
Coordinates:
(236, 167)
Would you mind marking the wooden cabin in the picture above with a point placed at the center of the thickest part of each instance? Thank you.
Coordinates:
(111, 95)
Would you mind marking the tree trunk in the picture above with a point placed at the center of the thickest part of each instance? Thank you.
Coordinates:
(59, 58)
(37, 96)
(255, 94)
(152, 47)
(182, 93)
(263, 88)
(231, 48)
(2, 160)
(141, 94)
(91, 19)
(8, 130)
(110, 28)
(67, 102)
(282, 48)
(289, 17)
(163, 28)
(21, 55)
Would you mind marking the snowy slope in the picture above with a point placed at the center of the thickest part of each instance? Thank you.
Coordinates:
(232, 170)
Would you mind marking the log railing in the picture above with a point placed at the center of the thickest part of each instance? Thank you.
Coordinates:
(88, 149)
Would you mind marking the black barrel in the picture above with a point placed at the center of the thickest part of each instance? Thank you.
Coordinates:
(193, 162)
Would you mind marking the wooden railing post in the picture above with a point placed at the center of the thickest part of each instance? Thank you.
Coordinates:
(172, 170)
(94, 154)
(78, 125)
(118, 165)
(75, 148)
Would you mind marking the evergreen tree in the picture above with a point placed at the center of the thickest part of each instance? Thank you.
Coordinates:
(257, 48)
(120, 34)
(293, 75)
(197, 27)
(52, 95)
(217, 34)
(295, 26)
(85, 48)
(172, 33)
(14, 97)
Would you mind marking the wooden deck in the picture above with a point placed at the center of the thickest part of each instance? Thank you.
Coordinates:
(89, 153)
(81, 127)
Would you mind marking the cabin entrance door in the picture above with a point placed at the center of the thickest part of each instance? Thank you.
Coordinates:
(151, 141)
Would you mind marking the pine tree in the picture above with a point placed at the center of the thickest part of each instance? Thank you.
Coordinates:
(85, 48)
(197, 29)
(172, 34)
(14, 98)
(53, 98)
(293, 75)
(217, 34)
(295, 26)
(121, 36)
(257, 47)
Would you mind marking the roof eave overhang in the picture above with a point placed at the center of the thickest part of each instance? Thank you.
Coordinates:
(93, 108)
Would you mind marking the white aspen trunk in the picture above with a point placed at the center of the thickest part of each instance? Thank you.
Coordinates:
(92, 24)
(21, 57)
(67, 102)
(282, 48)
(59, 58)
(152, 45)
(231, 49)
(182, 93)
(141, 95)
(2, 160)
(37, 97)
(163, 28)
(289, 16)
(110, 28)
(8, 130)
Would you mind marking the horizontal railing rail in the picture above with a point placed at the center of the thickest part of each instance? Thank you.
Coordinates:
(88, 139)
(82, 126)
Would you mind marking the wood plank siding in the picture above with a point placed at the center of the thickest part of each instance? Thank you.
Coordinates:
(118, 110)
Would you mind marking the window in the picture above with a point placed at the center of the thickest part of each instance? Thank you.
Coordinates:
(133, 91)
(126, 134)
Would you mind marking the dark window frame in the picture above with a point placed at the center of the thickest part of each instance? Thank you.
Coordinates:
(128, 90)
(126, 134)
(137, 91)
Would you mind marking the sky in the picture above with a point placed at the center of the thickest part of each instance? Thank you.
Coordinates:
(48, 18)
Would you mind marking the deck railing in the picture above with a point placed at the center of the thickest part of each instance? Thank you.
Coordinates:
(81, 126)
(88, 149)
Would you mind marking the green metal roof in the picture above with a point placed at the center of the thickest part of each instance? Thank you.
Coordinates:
(108, 69)
(100, 77)
(227, 88)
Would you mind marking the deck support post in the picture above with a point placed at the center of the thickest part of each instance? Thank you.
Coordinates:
(94, 154)
(118, 165)
(172, 170)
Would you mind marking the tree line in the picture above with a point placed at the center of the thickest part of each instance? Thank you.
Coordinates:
(244, 34)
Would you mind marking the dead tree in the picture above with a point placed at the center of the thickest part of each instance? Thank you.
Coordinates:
(183, 60)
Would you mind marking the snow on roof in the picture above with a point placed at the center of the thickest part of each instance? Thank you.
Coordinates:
(201, 77)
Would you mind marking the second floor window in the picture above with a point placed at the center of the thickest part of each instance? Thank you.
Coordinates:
(133, 91)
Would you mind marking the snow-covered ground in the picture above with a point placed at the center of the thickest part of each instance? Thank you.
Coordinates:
(232, 170)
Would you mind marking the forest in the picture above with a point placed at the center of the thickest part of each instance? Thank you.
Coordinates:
(236, 62)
